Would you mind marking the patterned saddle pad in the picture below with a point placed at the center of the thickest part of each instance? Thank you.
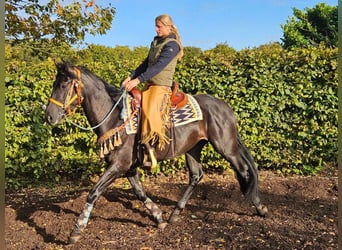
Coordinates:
(189, 113)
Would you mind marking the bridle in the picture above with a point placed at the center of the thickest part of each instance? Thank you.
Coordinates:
(76, 86)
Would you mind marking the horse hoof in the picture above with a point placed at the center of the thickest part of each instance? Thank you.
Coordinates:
(162, 225)
(174, 216)
(74, 237)
(262, 211)
(173, 219)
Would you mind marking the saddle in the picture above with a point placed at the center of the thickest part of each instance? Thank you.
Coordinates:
(178, 99)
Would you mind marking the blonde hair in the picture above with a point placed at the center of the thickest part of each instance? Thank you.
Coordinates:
(167, 20)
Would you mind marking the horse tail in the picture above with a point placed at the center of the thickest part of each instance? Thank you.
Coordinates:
(248, 186)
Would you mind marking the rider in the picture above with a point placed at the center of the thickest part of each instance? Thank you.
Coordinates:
(157, 70)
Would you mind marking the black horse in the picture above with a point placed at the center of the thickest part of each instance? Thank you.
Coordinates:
(102, 104)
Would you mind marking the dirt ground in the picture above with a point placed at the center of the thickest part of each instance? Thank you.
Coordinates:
(302, 215)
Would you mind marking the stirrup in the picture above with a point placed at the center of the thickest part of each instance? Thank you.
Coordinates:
(153, 158)
(150, 161)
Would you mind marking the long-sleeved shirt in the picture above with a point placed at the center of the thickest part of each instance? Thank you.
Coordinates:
(170, 50)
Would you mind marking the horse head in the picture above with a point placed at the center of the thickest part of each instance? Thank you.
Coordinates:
(66, 93)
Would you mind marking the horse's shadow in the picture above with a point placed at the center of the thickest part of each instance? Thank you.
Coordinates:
(201, 201)
(51, 203)
(37, 201)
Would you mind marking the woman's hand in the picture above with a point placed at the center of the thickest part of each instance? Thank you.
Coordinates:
(123, 84)
(130, 84)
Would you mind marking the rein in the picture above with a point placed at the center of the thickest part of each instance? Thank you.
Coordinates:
(106, 117)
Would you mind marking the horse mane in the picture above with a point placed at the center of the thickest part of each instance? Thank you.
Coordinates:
(112, 91)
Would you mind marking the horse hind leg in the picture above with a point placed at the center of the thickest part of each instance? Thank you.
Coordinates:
(234, 151)
(247, 176)
(150, 205)
(195, 175)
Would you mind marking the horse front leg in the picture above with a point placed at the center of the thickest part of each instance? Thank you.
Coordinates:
(195, 175)
(81, 223)
(139, 191)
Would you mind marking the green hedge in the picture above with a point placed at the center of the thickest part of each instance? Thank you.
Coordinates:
(285, 101)
(287, 105)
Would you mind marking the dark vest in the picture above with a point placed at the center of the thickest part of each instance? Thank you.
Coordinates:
(165, 77)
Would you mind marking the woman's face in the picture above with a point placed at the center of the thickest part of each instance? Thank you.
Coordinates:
(162, 30)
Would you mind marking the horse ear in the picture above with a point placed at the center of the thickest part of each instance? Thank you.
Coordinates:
(65, 66)
(57, 62)
(69, 67)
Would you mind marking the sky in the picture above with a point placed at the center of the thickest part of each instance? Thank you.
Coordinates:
(203, 24)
